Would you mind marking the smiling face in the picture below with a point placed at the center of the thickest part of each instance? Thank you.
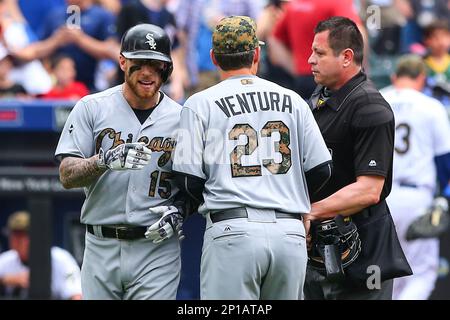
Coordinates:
(142, 80)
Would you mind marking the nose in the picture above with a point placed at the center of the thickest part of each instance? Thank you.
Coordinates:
(311, 59)
(146, 68)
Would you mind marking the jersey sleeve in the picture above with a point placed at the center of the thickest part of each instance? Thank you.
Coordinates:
(315, 151)
(373, 147)
(77, 137)
(188, 155)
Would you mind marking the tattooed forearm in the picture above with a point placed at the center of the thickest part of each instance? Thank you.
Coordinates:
(77, 172)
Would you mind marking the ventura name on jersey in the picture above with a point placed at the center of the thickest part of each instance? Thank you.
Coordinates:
(253, 102)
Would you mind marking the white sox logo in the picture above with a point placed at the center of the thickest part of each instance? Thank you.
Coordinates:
(151, 41)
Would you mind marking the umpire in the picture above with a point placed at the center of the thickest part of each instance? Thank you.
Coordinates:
(358, 127)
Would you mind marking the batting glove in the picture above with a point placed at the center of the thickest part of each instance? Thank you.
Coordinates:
(126, 156)
(169, 224)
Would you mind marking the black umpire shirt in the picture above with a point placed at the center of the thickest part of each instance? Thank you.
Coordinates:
(358, 126)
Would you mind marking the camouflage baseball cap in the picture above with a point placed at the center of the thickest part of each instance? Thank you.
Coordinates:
(235, 34)
(19, 221)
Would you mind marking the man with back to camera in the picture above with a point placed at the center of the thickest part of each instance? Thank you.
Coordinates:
(358, 127)
(251, 153)
(117, 144)
(422, 153)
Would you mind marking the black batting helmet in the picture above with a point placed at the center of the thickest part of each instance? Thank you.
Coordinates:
(147, 41)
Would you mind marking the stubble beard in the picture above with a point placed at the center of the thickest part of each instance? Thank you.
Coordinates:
(139, 92)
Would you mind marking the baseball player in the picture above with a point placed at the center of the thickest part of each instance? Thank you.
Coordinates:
(421, 137)
(15, 272)
(117, 144)
(250, 152)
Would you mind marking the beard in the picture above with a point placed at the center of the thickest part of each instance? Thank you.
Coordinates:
(139, 90)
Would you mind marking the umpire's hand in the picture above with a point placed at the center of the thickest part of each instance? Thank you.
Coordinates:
(169, 224)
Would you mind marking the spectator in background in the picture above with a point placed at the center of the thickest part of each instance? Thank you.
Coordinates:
(94, 39)
(34, 11)
(197, 19)
(266, 22)
(155, 12)
(422, 14)
(112, 6)
(290, 43)
(64, 73)
(385, 40)
(437, 42)
(16, 34)
(8, 88)
(14, 271)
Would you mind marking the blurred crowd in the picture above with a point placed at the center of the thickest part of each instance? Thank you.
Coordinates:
(65, 49)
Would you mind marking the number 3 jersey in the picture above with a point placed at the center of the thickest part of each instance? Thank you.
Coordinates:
(106, 120)
(252, 141)
(422, 132)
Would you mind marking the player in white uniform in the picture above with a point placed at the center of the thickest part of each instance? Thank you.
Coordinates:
(250, 150)
(102, 146)
(421, 137)
(14, 271)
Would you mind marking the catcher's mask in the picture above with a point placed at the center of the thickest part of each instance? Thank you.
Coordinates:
(149, 42)
(335, 244)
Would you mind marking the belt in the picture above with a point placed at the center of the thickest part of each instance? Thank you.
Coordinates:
(236, 213)
(121, 233)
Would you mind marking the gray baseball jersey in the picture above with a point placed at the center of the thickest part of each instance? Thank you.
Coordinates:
(252, 140)
(106, 120)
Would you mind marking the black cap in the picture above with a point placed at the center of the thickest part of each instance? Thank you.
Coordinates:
(146, 41)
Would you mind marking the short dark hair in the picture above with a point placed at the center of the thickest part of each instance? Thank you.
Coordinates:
(344, 33)
(435, 26)
(235, 61)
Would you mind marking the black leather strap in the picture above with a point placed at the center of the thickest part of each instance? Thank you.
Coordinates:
(236, 213)
(121, 233)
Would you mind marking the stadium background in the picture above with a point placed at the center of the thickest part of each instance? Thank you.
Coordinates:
(29, 131)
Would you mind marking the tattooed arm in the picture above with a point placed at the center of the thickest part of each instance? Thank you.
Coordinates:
(78, 172)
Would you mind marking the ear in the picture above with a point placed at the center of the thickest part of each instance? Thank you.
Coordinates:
(347, 55)
(213, 58)
(257, 55)
(122, 62)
